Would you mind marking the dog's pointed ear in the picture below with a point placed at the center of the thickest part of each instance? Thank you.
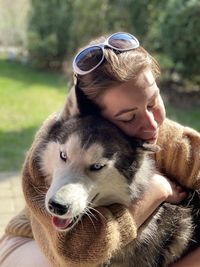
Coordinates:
(70, 108)
(84, 104)
(77, 104)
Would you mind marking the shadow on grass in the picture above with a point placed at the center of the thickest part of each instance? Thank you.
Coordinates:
(30, 76)
(14, 146)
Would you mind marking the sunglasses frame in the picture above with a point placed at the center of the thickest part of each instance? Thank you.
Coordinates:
(102, 46)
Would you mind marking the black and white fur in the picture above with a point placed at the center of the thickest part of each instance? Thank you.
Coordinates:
(88, 162)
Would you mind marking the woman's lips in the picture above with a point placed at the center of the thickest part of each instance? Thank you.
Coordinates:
(153, 138)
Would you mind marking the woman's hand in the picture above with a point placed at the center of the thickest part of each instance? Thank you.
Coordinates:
(172, 191)
(160, 189)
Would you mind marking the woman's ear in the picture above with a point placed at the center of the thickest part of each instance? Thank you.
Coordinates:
(84, 104)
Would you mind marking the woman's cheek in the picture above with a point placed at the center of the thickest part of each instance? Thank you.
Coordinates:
(127, 128)
(159, 112)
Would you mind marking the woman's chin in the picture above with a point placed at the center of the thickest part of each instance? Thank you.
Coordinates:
(152, 140)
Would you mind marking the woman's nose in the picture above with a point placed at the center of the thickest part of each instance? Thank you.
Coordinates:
(150, 122)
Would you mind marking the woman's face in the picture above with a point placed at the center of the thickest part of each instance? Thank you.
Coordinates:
(135, 106)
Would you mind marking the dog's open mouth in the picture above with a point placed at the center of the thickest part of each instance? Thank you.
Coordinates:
(63, 224)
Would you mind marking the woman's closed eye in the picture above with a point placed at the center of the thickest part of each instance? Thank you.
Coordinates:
(152, 104)
(128, 120)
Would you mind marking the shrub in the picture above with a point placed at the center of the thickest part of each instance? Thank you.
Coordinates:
(180, 35)
(48, 32)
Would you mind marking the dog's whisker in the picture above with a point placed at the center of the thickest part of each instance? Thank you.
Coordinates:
(81, 221)
(39, 200)
(42, 197)
(191, 198)
(40, 189)
(91, 214)
(41, 194)
(101, 215)
(86, 213)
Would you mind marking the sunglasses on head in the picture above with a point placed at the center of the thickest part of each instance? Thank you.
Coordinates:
(92, 56)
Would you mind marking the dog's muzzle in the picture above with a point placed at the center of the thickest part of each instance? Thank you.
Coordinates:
(66, 204)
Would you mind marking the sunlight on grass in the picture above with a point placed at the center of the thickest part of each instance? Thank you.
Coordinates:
(28, 107)
(27, 101)
(27, 98)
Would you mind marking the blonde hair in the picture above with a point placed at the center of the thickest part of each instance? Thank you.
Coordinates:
(116, 68)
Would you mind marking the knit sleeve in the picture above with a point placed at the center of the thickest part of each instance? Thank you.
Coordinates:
(90, 243)
(20, 225)
(179, 157)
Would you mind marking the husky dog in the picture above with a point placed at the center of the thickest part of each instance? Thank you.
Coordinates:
(88, 163)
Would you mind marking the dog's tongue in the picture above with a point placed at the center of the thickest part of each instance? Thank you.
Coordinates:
(61, 223)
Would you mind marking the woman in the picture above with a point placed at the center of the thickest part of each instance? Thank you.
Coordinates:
(116, 77)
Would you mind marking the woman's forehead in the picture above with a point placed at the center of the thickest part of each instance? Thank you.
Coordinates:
(142, 88)
(145, 79)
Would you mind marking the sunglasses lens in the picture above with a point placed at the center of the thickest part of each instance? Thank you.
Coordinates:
(123, 41)
(89, 58)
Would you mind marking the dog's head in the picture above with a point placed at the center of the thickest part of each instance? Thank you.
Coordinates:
(88, 162)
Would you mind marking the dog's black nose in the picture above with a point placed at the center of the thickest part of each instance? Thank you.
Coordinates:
(57, 208)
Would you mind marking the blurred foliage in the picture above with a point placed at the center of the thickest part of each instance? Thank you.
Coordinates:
(93, 18)
(56, 29)
(180, 35)
(49, 32)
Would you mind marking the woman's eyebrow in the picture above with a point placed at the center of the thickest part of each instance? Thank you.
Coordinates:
(155, 94)
(124, 111)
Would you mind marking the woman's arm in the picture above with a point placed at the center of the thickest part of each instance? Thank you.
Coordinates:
(179, 157)
(161, 189)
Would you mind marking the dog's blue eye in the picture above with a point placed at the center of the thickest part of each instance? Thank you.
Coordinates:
(96, 167)
(63, 156)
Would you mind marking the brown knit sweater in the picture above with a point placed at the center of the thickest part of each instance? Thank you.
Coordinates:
(87, 245)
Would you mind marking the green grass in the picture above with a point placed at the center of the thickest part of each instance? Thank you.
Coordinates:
(27, 97)
(189, 116)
